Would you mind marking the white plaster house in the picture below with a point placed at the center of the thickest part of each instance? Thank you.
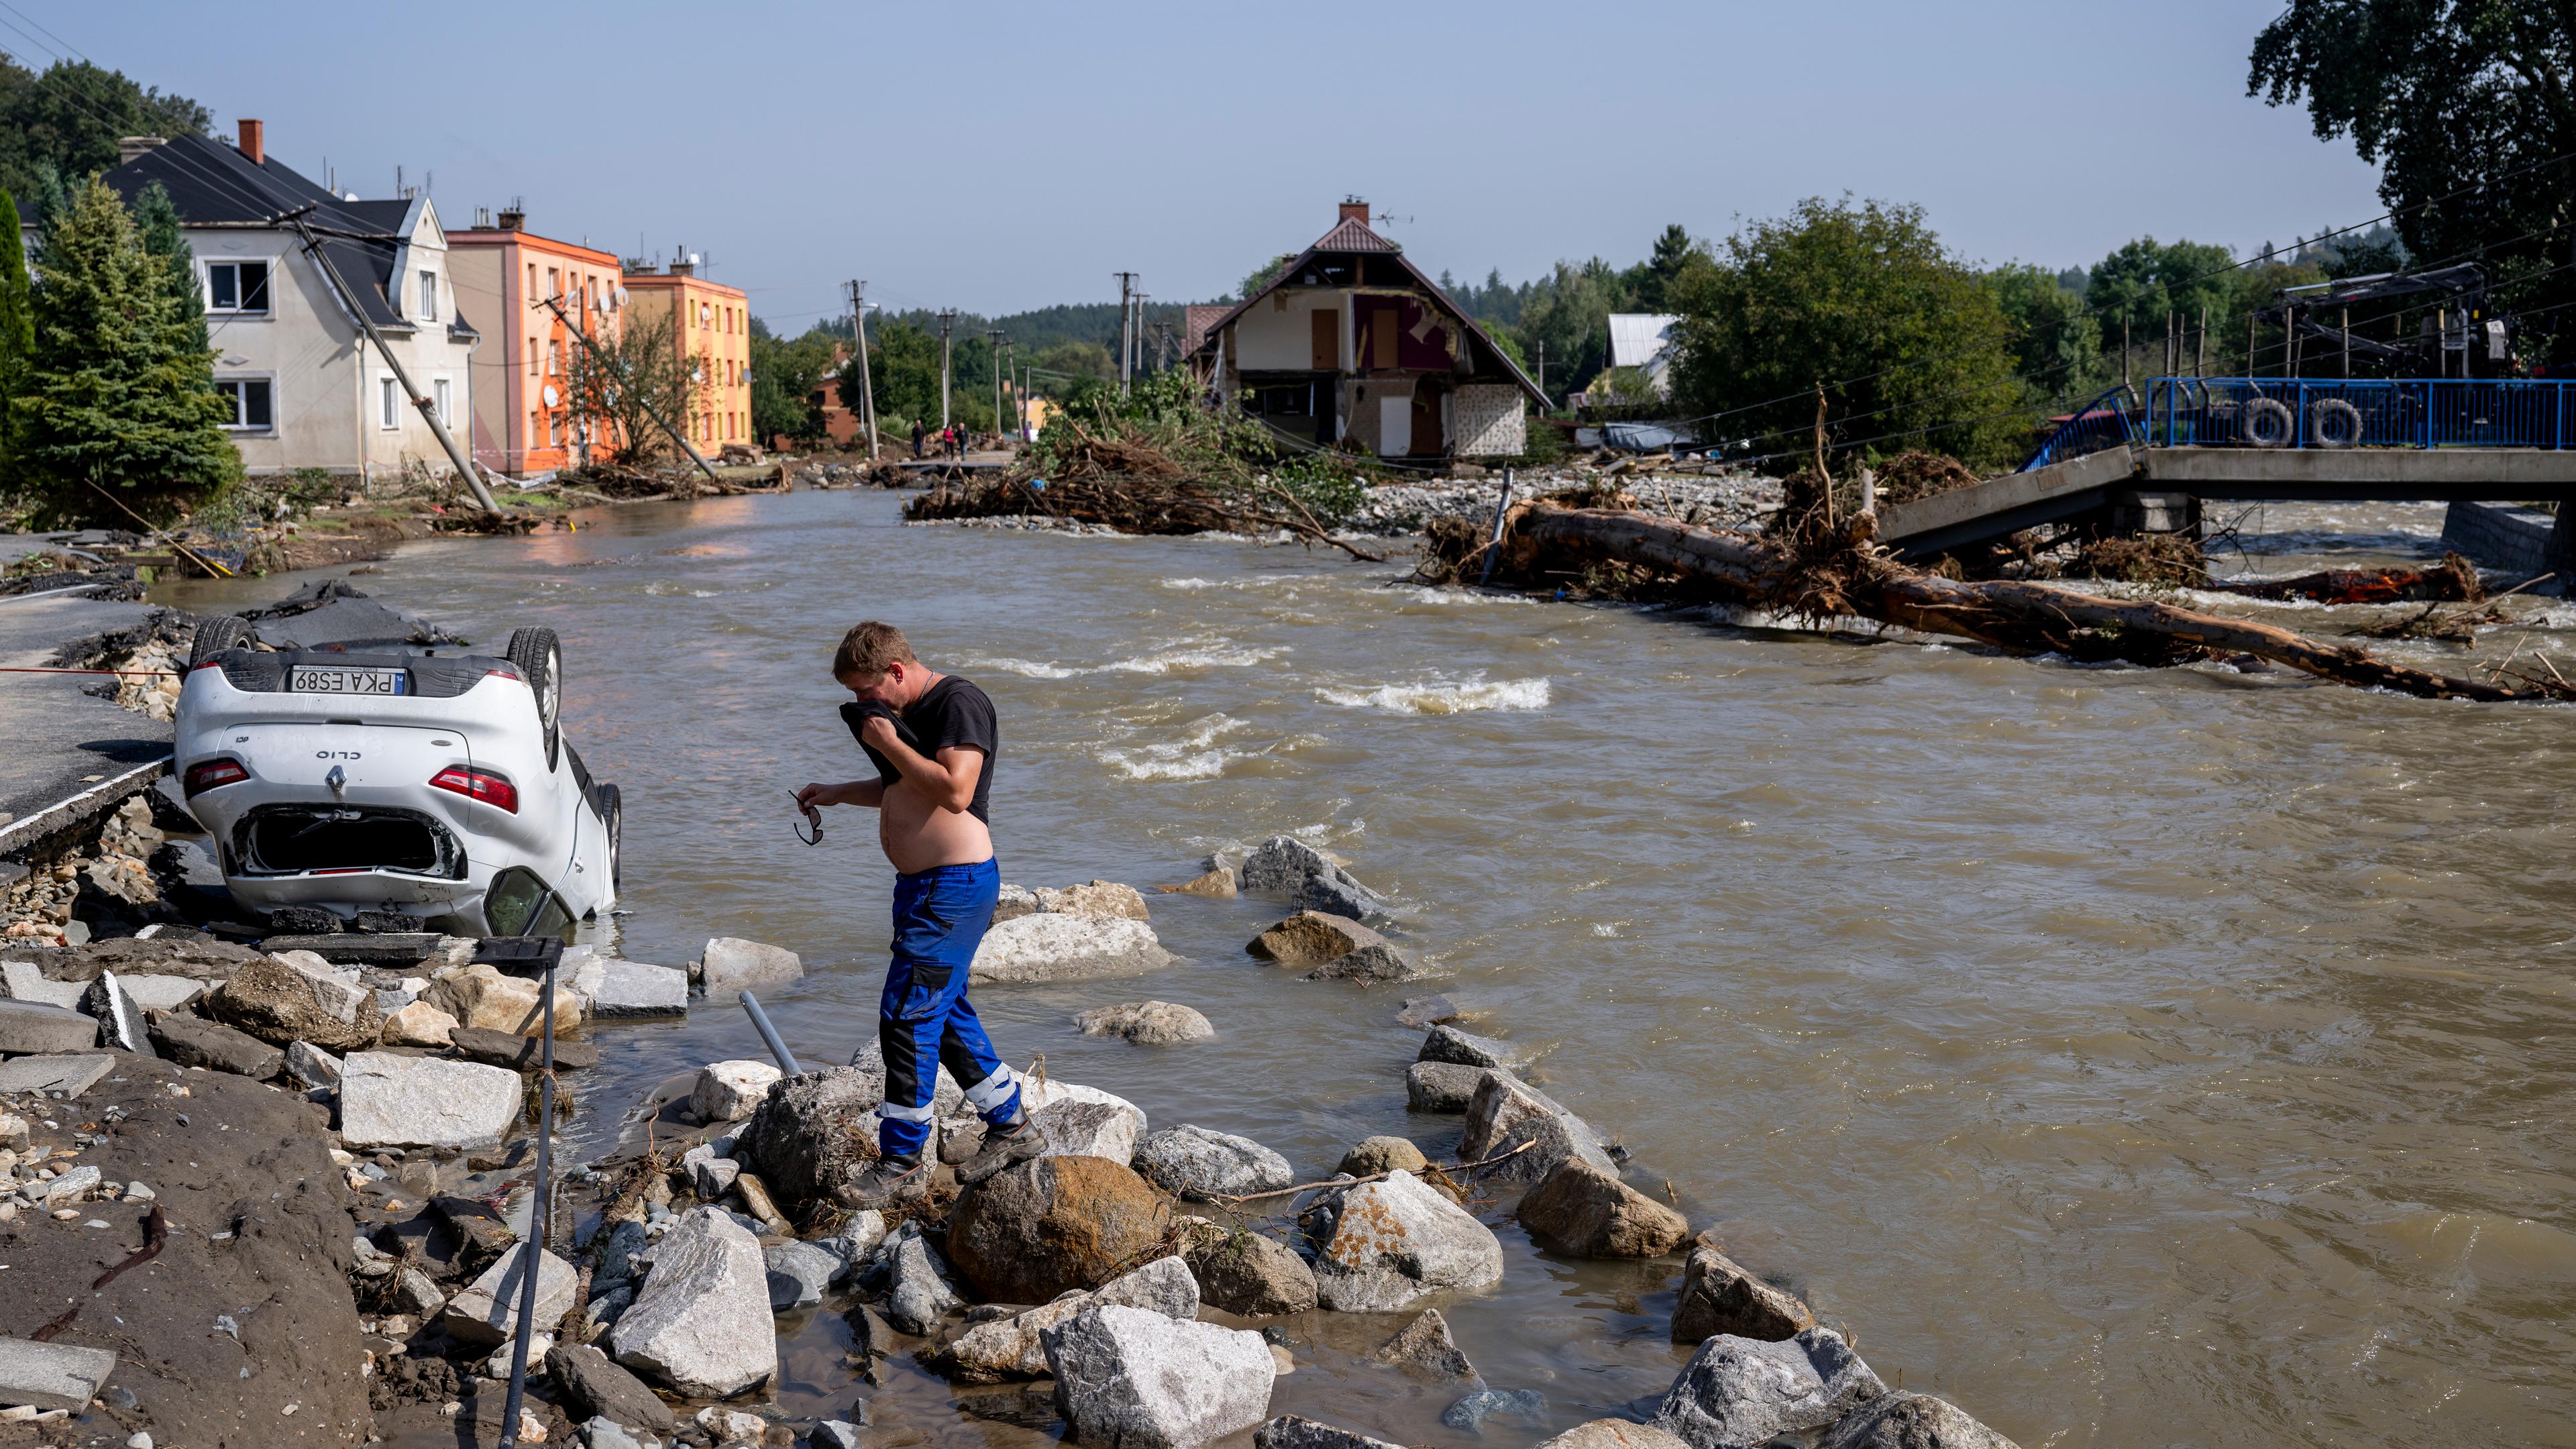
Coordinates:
(308, 390)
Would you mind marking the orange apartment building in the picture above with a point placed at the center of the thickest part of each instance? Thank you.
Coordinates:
(523, 420)
(712, 329)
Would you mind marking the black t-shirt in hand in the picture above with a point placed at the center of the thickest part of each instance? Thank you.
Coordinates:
(953, 714)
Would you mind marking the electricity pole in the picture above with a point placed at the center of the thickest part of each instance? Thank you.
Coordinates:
(946, 319)
(867, 385)
(1126, 334)
(995, 333)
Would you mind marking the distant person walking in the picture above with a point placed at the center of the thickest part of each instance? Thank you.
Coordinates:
(918, 433)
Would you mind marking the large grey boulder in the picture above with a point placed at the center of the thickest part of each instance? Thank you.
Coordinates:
(1441, 1086)
(799, 1273)
(1094, 898)
(1291, 1431)
(1014, 1347)
(730, 965)
(281, 1001)
(1584, 1212)
(486, 1314)
(919, 1291)
(1031, 1232)
(1742, 1391)
(36, 1026)
(1912, 1421)
(1297, 871)
(806, 1137)
(1054, 946)
(1369, 965)
(51, 1376)
(1203, 1163)
(398, 1101)
(1506, 1112)
(26, 981)
(593, 1386)
(727, 1091)
(612, 989)
(1245, 1273)
(1082, 1121)
(1445, 1043)
(1135, 1379)
(1381, 1245)
(1719, 1296)
(701, 1321)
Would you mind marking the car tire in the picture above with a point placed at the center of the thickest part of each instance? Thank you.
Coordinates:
(2269, 423)
(612, 815)
(538, 656)
(217, 633)
(2333, 423)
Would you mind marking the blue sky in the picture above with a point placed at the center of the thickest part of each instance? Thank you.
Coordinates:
(1000, 156)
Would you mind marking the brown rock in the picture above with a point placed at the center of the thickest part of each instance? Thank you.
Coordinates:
(281, 1003)
(1912, 1421)
(1616, 1434)
(1383, 1154)
(1424, 1349)
(1049, 1226)
(1094, 898)
(482, 996)
(814, 1134)
(756, 1201)
(1311, 938)
(509, 1049)
(1718, 1296)
(1584, 1212)
(419, 1025)
(1217, 884)
(193, 1041)
(1246, 1273)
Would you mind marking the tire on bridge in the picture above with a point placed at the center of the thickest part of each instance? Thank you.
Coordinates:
(2333, 423)
(2269, 423)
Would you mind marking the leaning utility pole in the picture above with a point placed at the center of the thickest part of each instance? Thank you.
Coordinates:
(402, 376)
(867, 386)
(1126, 315)
(995, 333)
(555, 304)
(947, 319)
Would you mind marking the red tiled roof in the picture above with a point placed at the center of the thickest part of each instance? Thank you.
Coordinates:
(1353, 236)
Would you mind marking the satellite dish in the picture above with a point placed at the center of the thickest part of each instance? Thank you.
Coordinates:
(621, 296)
(693, 259)
(552, 397)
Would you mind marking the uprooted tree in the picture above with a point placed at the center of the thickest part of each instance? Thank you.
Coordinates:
(1815, 565)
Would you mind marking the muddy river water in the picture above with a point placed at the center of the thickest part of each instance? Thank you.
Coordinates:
(2140, 1058)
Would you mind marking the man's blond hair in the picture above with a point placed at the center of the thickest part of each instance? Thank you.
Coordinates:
(869, 649)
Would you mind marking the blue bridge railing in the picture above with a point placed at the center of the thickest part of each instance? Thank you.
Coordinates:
(2279, 412)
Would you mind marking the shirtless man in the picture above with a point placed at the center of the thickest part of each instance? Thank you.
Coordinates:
(933, 739)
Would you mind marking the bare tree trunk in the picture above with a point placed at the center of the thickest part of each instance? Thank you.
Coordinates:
(2023, 617)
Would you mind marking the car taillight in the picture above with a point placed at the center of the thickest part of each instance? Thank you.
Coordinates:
(480, 785)
(207, 774)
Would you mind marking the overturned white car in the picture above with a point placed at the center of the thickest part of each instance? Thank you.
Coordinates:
(346, 757)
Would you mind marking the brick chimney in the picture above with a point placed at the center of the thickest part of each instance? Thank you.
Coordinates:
(129, 147)
(512, 218)
(252, 145)
(1353, 209)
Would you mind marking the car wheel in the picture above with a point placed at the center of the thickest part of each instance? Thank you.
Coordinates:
(538, 656)
(612, 813)
(217, 633)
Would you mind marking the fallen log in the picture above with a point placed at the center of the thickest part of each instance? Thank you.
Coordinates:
(1855, 577)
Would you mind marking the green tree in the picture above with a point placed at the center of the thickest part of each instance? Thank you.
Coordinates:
(165, 236)
(785, 375)
(17, 329)
(2468, 108)
(1911, 346)
(1261, 276)
(1059, 367)
(903, 364)
(1650, 282)
(2146, 280)
(618, 382)
(1567, 315)
(70, 117)
(118, 394)
(2056, 344)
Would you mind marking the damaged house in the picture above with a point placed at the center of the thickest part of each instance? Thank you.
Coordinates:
(1351, 345)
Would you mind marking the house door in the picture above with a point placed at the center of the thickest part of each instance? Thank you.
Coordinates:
(1394, 426)
(1426, 420)
(1327, 349)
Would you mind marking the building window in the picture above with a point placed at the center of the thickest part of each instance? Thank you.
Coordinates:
(536, 425)
(532, 281)
(554, 357)
(705, 315)
(554, 430)
(388, 404)
(429, 296)
(237, 287)
(554, 282)
(253, 403)
(446, 416)
(532, 357)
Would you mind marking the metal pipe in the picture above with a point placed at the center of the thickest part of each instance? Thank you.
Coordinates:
(769, 1034)
(540, 1217)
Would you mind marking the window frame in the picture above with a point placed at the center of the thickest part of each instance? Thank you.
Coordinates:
(230, 384)
(442, 392)
(267, 286)
(388, 403)
(428, 295)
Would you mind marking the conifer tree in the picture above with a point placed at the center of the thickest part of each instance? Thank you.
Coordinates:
(166, 237)
(17, 333)
(116, 395)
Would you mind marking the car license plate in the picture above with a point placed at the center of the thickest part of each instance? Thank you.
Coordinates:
(309, 679)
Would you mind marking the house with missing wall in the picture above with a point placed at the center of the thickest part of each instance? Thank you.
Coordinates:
(1352, 346)
(307, 389)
